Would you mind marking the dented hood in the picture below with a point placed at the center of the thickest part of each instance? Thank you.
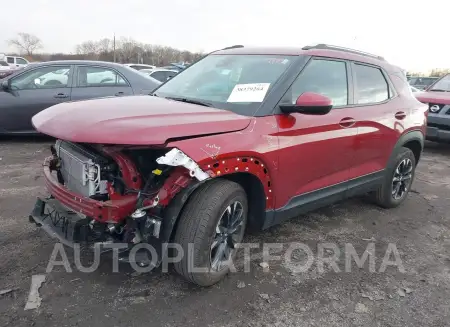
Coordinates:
(136, 120)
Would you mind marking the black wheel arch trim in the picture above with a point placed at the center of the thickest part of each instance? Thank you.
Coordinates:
(170, 218)
(414, 135)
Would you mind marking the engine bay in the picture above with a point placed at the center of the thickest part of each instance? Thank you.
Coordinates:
(139, 181)
(103, 174)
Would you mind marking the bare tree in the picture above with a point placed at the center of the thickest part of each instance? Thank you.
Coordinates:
(104, 45)
(26, 43)
(89, 48)
(438, 72)
(127, 49)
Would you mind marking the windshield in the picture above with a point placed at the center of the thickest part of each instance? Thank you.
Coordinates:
(425, 81)
(442, 85)
(238, 83)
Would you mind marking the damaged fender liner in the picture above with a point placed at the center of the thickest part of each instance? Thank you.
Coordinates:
(108, 211)
(176, 157)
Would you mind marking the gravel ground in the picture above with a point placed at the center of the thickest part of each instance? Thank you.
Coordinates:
(419, 296)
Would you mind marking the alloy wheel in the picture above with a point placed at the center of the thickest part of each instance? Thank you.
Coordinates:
(402, 178)
(228, 233)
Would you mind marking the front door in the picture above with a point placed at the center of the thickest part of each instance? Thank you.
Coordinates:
(31, 92)
(316, 151)
(98, 82)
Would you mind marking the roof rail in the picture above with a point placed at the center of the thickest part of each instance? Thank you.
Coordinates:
(334, 47)
(233, 47)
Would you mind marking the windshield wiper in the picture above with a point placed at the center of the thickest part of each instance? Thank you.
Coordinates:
(198, 102)
(438, 90)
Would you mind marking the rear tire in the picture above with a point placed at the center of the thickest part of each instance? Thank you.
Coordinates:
(398, 180)
(204, 225)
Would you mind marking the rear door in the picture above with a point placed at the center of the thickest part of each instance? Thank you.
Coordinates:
(376, 109)
(31, 92)
(21, 62)
(92, 81)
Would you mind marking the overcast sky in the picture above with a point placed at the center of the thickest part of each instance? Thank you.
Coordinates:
(409, 34)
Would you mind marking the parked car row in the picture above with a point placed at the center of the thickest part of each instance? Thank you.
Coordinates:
(38, 86)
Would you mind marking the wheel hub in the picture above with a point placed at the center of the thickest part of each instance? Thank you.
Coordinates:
(228, 231)
(402, 178)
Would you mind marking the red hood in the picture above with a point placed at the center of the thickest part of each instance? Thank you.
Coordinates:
(433, 97)
(136, 120)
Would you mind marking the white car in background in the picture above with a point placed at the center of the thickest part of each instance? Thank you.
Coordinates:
(161, 74)
(61, 76)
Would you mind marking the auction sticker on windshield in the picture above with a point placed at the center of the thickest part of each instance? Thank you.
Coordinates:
(254, 92)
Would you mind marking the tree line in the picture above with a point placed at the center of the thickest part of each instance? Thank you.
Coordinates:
(127, 50)
(435, 72)
(123, 50)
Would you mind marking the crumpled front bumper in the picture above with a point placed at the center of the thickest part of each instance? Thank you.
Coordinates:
(71, 229)
(438, 126)
(103, 211)
(66, 226)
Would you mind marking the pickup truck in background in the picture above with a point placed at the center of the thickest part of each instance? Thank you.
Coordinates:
(14, 61)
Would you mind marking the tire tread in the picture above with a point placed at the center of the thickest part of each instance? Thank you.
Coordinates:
(195, 219)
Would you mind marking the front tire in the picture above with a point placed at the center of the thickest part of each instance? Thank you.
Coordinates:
(211, 224)
(398, 180)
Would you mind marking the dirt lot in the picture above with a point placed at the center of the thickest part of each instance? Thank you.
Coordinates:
(420, 229)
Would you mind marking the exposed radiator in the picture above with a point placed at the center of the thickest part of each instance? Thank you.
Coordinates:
(80, 173)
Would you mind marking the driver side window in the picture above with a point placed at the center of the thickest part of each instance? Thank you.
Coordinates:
(325, 77)
(41, 78)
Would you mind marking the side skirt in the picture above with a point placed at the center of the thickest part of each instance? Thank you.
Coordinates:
(304, 203)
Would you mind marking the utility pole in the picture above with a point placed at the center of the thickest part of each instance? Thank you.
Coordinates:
(114, 47)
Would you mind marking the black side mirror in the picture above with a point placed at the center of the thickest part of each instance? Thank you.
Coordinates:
(5, 85)
(309, 103)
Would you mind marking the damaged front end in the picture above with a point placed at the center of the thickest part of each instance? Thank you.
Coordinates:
(104, 195)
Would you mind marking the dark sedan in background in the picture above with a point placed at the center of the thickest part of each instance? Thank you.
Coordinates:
(39, 86)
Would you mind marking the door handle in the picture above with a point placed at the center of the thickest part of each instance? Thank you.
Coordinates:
(347, 122)
(118, 94)
(60, 96)
(400, 115)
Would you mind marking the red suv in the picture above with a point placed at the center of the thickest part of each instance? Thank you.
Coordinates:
(243, 138)
(437, 97)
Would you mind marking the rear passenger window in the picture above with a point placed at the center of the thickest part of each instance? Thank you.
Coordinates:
(99, 76)
(371, 86)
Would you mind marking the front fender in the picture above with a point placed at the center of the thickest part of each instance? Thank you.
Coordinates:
(252, 150)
